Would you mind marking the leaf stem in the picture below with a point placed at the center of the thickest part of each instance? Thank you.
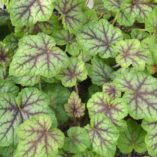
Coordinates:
(76, 89)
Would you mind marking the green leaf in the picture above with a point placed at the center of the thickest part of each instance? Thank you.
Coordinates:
(114, 109)
(8, 87)
(111, 90)
(74, 108)
(77, 141)
(139, 9)
(130, 53)
(58, 97)
(5, 55)
(7, 151)
(26, 80)
(37, 55)
(4, 17)
(99, 38)
(73, 72)
(39, 138)
(87, 154)
(103, 135)
(29, 12)
(15, 110)
(71, 13)
(132, 138)
(151, 137)
(140, 92)
(99, 71)
(139, 34)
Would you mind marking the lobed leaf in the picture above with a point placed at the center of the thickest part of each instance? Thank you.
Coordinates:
(38, 138)
(43, 57)
(74, 108)
(99, 38)
(103, 135)
(25, 13)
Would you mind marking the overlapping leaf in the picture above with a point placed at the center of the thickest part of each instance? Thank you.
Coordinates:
(71, 13)
(74, 71)
(111, 90)
(99, 71)
(39, 138)
(25, 13)
(37, 55)
(5, 55)
(77, 141)
(14, 110)
(74, 108)
(103, 135)
(114, 109)
(151, 137)
(100, 38)
(132, 138)
(130, 53)
(140, 92)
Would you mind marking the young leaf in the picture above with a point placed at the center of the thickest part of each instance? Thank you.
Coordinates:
(132, 138)
(71, 13)
(140, 92)
(14, 110)
(103, 135)
(114, 109)
(99, 38)
(37, 55)
(130, 53)
(99, 72)
(39, 138)
(74, 71)
(25, 13)
(74, 108)
(77, 141)
(111, 90)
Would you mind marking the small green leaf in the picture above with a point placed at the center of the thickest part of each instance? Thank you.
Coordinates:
(74, 108)
(114, 109)
(77, 141)
(71, 13)
(103, 135)
(99, 71)
(132, 138)
(37, 55)
(130, 53)
(99, 38)
(74, 71)
(25, 13)
(111, 90)
(39, 138)
(140, 92)
(15, 110)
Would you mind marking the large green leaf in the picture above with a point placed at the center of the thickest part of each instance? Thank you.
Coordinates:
(130, 53)
(73, 72)
(71, 13)
(74, 108)
(132, 138)
(39, 138)
(77, 141)
(151, 137)
(37, 55)
(99, 71)
(103, 135)
(99, 38)
(14, 110)
(115, 109)
(140, 92)
(25, 13)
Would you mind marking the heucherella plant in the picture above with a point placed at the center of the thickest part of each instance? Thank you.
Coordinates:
(78, 78)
